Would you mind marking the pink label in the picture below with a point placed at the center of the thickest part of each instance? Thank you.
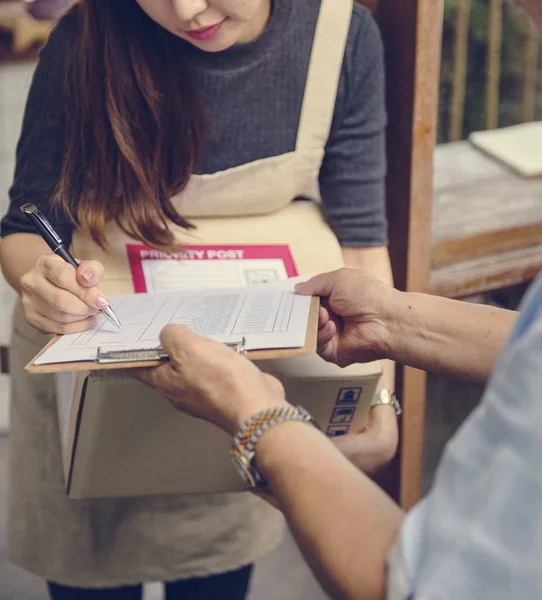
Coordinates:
(137, 254)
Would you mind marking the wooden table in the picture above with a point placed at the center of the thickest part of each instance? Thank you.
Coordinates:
(486, 224)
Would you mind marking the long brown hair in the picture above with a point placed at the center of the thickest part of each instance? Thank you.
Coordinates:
(134, 124)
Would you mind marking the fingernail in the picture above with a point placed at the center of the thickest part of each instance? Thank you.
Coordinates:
(88, 276)
(101, 302)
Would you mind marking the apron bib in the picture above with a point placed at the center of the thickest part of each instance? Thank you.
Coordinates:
(101, 543)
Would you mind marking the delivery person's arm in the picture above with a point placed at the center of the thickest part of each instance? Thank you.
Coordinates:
(344, 524)
(367, 320)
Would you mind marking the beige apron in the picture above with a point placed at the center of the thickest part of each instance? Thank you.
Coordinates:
(102, 543)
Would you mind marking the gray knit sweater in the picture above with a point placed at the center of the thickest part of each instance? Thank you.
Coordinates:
(254, 94)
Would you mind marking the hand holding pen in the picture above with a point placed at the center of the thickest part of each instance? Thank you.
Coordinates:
(58, 294)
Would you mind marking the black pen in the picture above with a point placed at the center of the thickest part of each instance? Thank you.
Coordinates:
(52, 239)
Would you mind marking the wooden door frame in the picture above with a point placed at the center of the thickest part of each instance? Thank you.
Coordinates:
(412, 35)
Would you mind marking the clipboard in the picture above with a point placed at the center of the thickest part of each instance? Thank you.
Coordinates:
(137, 359)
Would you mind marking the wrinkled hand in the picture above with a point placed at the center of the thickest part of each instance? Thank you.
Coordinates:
(57, 298)
(352, 321)
(376, 445)
(210, 381)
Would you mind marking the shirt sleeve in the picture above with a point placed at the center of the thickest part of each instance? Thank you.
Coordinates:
(41, 144)
(354, 167)
(404, 558)
(478, 534)
(398, 587)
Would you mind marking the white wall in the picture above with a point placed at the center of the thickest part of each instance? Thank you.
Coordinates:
(14, 82)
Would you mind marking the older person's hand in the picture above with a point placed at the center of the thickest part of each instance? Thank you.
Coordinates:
(210, 381)
(354, 316)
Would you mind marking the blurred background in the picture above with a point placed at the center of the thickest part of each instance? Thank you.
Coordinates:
(490, 74)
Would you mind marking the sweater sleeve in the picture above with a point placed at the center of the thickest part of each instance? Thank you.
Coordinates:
(41, 144)
(354, 167)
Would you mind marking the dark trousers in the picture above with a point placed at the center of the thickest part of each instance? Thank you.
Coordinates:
(226, 586)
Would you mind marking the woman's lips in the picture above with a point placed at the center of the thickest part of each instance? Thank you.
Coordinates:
(202, 35)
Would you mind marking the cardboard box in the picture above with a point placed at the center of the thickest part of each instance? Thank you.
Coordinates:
(122, 439)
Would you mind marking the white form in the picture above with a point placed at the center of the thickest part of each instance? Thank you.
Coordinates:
(267, 317)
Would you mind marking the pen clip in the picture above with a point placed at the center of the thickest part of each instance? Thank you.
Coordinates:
(31, 210)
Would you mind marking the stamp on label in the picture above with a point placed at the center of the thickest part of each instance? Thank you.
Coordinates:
(348, 396)
(337, 430)
(342, 415)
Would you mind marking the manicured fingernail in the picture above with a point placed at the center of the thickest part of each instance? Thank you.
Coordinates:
(88, 276)
(101, 302)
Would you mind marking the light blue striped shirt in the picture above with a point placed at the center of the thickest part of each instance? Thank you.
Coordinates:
(478, 534)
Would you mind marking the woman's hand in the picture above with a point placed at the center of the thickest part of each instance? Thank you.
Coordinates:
(354, 316)
(210, 381)
(375, 446)
(59, 299)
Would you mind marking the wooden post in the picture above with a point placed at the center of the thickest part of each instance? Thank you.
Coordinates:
(412, 32)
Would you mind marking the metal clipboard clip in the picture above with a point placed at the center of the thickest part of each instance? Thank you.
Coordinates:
(239, 347)
(107, 357)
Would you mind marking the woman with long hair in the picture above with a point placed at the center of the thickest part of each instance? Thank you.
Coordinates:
(148, 120)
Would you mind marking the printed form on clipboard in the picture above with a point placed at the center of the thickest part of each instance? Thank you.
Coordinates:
(208, 267)
(267, 317)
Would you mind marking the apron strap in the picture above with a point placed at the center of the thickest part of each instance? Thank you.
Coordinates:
(324, 74)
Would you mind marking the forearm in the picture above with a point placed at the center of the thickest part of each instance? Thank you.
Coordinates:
(449, 337)
(18, 254)
(453, 338)
(344, 524)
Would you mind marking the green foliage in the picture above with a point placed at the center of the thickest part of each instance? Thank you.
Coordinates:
(515, 29)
